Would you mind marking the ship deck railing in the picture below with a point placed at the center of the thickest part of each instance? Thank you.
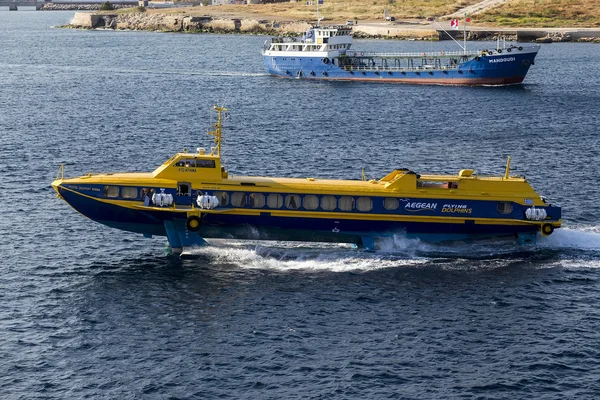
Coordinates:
(426, 54)
(419, 68)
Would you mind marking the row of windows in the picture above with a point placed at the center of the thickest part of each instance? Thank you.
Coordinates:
(295, 202)
(195, 163)
(127, 192)
(291, 201)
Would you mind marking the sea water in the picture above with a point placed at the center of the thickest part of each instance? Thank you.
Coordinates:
(91, 312)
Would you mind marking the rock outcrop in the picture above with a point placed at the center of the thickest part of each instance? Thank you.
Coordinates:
(184, 23)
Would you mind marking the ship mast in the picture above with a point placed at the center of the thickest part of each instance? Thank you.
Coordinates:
(216, 150)
(465, 34)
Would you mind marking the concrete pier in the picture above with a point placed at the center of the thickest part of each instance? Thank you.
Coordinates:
(13, 5)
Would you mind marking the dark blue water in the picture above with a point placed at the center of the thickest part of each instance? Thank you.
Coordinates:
(90, 312)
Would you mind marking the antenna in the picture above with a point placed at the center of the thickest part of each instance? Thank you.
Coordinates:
(217, 132)
(507, 168)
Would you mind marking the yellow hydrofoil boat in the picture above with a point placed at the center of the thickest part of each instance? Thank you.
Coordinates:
(191, 197)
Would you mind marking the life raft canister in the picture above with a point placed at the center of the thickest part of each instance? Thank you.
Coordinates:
(193, 223)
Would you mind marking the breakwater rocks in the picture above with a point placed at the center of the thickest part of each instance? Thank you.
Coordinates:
(184, 23)
(79, 7)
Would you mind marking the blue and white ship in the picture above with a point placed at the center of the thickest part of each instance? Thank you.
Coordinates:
(327, 53)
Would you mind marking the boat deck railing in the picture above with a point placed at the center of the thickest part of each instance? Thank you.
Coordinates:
(426, 54)
(420, 68)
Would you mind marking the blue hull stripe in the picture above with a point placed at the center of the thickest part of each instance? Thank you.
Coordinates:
(268, 227)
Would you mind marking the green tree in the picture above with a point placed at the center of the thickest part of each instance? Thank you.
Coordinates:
(106, 6)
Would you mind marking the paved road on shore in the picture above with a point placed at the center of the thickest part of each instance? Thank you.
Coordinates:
(476, 8)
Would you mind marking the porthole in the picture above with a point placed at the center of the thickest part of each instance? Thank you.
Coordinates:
(129, 193)
(238, 199)
(328, 203)
(292, 201)
(257, 200)
(346, 203)
(275, 201)
(111, 191)
(364, 204)
(310, 202)
(223, 198)
(504, 207)
(390, 204)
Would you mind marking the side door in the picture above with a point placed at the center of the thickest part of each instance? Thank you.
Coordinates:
(183, 196)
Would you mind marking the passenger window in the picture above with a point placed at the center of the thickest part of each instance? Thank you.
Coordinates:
(275, 201)
(223, 198)
(328, 203)
(111, 191)
(311, 202)
(364, 204)
(504, 207)
(238, 199)
(129, 193)
(346, 203)
(390, 204)
(257, 200)
(292, 201)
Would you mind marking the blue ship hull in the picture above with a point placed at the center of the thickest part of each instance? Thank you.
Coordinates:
(498, 69)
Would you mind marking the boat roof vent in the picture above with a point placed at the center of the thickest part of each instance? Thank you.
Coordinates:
(466, 173)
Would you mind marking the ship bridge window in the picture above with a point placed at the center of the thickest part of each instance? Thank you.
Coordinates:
(257, 200)
(390, 204)
(238, 199)
(200, 163)
(311, 202)
(223, 198)
(328, 203)
(111, 191)
(346, 203)
(364, 204)
(129, 193)
(195, 163)
(292, 201)
(505, 207)
(275, 201)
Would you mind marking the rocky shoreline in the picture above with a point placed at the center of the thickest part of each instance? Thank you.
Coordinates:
(181, 22)
(78, 7)
(184, 23)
